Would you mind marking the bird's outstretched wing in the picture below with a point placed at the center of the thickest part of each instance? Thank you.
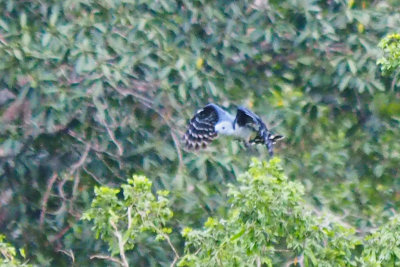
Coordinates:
(246, 118)
(201, 130)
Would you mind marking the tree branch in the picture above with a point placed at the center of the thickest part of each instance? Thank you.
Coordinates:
(258, 261)
(177, 147)
(60, 234)
(173, 249)
(126, 92)
(120, 245)
(105, 257)
(93, 176)
(46, 198)
(75, 167)
(129, 217)
(69, 253)
(166, 238)
(393, 84)
(81, 161)
(112, 136)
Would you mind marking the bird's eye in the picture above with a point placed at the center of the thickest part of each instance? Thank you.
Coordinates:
(223, 128)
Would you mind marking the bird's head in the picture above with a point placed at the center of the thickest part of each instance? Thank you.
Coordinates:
(224, 127)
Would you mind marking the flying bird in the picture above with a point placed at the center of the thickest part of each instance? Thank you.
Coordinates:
(212, 120)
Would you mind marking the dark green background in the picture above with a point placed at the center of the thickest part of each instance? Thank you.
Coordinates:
(94, 91)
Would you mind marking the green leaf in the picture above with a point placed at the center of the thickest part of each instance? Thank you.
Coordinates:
(352, 66)
(238, 235)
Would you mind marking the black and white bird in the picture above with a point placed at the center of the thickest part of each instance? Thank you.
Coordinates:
(212, 120)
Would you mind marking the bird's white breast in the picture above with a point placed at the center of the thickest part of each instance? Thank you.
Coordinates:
(243, 132)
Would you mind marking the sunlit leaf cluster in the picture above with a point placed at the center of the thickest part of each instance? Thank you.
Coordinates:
(118, 220)
(10, 257)
(391, 47)
(268, 223)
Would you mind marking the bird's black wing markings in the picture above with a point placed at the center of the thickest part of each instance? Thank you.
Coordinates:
(246, 118)
(201, 130)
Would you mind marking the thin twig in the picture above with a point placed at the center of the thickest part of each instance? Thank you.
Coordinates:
(393, 84)
(117, 175)
(75, 167)
(173, 249)
(129, 217)
(166, 237)
(60, 234)
(92, 175)
(126, 92)
(282, 250)
(120, 244)
(2, 40)
(69, 253)
(105, 257)
(81, 161)
(172, 246)
(258, 261)
(329, 217)
(61, 184)
(178, 149)
(359, 104)
(61, 189)
(174, 261)
(46, 198)
(112, 136)
(75, 136)
(197, 252)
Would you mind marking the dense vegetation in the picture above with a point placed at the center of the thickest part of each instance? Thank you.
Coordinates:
(93, 92)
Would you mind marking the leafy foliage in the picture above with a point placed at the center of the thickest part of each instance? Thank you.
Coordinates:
(391, 46)
(120, 221)
(9, 255)
(267, 222)
(382, 247)
(93, 91)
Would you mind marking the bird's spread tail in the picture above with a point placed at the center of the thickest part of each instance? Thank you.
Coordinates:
(270, 141)
(266, 138)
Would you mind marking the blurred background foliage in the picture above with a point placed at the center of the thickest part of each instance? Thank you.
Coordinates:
(93, 91)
